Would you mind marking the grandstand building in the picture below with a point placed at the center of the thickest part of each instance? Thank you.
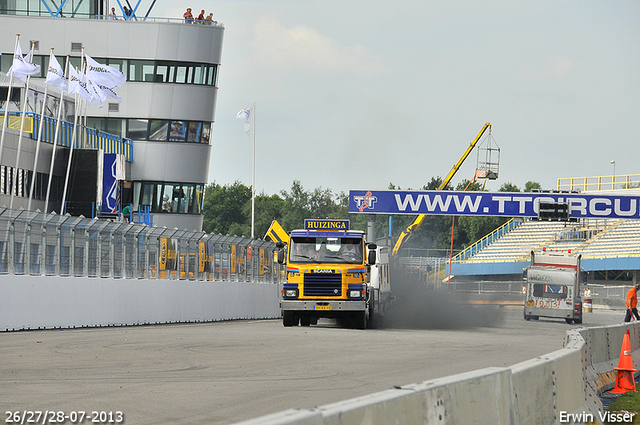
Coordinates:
(610, 251)
(161, 130)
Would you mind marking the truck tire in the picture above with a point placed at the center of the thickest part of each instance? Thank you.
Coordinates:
(288, 319)
(305, 321)
(361, 320)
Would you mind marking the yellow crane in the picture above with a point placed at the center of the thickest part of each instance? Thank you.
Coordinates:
(409, 231)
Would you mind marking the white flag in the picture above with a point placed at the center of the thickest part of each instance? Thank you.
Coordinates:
(109, 91)
(55, 74)
(103, 74)
(245, 115)
(98, 95)
(22, 66)
(78, 85)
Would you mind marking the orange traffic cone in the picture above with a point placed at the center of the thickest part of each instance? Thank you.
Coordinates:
(625, 380)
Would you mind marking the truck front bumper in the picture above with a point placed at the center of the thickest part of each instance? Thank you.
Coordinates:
(322, 305)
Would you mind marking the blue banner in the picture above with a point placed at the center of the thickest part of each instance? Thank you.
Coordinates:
(508, 204)
(110, 186)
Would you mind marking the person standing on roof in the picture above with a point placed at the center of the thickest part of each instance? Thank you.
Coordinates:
(188, 16)
(200, 19)
(632, 302)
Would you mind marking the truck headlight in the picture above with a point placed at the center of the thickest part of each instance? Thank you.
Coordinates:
(291, 293)
(355, 294)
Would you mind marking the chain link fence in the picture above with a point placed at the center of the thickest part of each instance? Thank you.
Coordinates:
(34, 243)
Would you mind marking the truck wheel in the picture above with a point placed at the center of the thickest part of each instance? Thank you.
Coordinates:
(314, 320)
(288, 319)
(361, 320)
(305, 321)
(578, 321)
(569, 321)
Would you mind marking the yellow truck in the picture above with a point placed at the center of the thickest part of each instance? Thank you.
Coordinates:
(331, 272)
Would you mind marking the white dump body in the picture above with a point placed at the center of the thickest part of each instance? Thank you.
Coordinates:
(380, 284)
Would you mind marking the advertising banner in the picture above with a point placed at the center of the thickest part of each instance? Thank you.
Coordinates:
(508, 204)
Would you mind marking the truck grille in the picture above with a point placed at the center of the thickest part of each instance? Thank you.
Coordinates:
(322, 285)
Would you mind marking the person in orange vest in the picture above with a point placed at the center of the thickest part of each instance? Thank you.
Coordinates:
(632, 302)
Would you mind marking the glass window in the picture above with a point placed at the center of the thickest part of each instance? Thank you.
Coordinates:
(195, 130)
(45, 66)
(39, 60)
(147, 71)
(119, 64)
(158, 130)
(198, 199)
(75, 61)
(165, 72)
(115, 126)
(199, 74)
(326, 250)
(178, 131)
(6, 61)
(164, 197)
(97, 123)
(138, 129)
(188, 191)
(212, 75)
(137, 191)
(141, 70)
(206, 133)
(190, 75)
(181, 73)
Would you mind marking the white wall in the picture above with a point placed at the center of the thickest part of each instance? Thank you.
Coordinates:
(35, 302)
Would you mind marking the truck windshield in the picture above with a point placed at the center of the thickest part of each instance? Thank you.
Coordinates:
(325, 250)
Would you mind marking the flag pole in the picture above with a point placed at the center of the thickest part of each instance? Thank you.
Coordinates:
(55, 139)
(6, 105)
(253, 174)
(35, 161)
(14, 180)
(73, 142)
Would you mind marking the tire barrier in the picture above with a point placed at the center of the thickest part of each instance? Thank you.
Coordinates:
(561, 387)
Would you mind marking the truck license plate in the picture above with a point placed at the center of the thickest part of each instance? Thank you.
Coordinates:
(323, 307)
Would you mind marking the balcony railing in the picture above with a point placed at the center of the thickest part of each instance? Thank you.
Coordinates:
(87, 138)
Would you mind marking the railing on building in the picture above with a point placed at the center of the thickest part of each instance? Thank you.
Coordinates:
(487, 240)
(162, 19)
(612, 182)
(34, 243)
(88, 138)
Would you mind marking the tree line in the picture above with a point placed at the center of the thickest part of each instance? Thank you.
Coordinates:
(227, 210)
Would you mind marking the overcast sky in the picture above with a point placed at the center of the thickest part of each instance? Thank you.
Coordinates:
(362, 93)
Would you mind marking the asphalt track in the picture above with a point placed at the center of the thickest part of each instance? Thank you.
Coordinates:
(224, 372)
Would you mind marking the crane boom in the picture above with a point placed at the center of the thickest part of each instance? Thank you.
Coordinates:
(420, 218)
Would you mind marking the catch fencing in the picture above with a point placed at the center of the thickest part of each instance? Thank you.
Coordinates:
(38, 244)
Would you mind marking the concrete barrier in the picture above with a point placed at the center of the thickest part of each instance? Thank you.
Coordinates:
(561, 387)
(72, 302)
(538, 391)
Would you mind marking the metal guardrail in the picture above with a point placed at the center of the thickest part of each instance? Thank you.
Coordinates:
(487, 240)
(611, 182)
(160, 19)
(34, 243)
